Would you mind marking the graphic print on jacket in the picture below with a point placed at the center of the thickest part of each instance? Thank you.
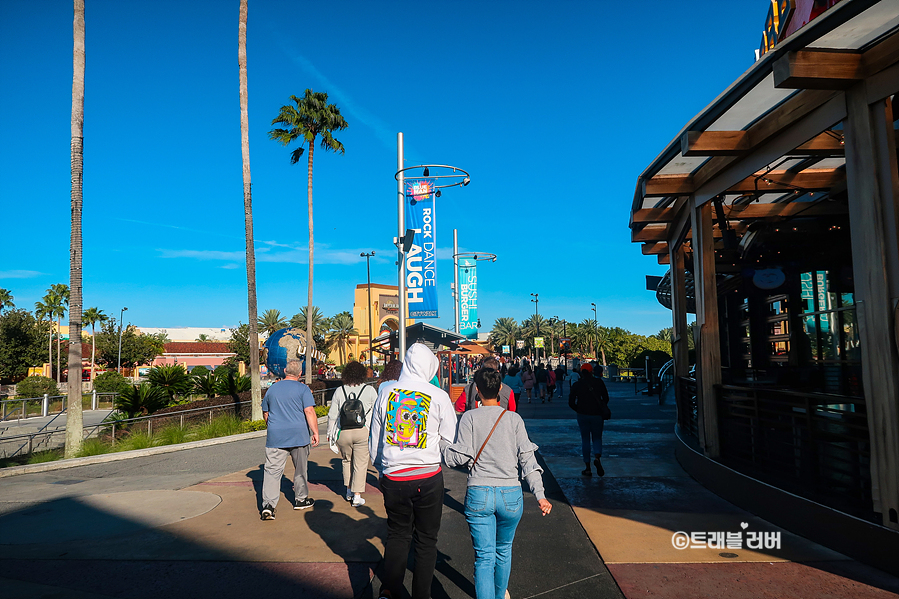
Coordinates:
(407, 418)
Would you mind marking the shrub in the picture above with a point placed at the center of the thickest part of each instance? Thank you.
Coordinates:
(206, 384)
(136, 440)
(249, 426)
(36, 386)
(231, 384)
(221, 426)
(199, 371)
(171, 378)
(140, 400)
(93, 447)
(172, 435)
(44, 456)
(321, 411)
(110, 382)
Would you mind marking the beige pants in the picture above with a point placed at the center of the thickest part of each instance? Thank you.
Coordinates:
(353, 445)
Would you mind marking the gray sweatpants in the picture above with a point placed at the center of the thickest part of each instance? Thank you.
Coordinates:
(275, 459)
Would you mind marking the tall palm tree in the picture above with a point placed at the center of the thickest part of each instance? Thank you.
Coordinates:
(91, 317)
(341, 330)
(43, 310)
(252, 308)
(311, 117)
(319, 325)
(271, 321)
(74, 422)
(57, 300)
(504, 332)
(6, 299)
(603, 340)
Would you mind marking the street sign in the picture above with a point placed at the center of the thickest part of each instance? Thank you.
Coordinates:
(507, 349)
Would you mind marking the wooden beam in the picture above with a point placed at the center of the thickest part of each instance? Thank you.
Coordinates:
(780, 181)
(818, 69)
(758, 211)
(666, 185)
(715, 143)
(650, 233)
(654, 215)
(664, 259)
(829, 143)
(655, 248)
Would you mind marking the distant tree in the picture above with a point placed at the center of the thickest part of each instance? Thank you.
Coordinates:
(341, 330)
(320, 326)
(91, 317)
(239, 343)
(21, 343)
(137, 349)
(505, 332)
(57, 301)
(272, 321)
(110, 382)
(6, 299)
(310, 117)
(36, 386)
(204, 338)
(42, 311)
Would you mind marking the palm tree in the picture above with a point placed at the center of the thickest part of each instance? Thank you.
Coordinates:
(504, 332)
(91, 317)
(311, 117)
(74, 422)
(6, 299)
(252, 308)
(603, 340)
(42, 311)
(57, 301)
(320, 324)
(204, 338)
(341, 330)
(271, 321)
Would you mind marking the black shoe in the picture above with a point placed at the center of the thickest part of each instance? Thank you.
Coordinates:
(302, 504)
(268, 512)
(587, 471)
(599, 469)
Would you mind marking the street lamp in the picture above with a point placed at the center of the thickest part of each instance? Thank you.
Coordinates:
(594, 323)
(536, 301)
(367, 256)
(456, 176)
(121, 316)
(477, 257)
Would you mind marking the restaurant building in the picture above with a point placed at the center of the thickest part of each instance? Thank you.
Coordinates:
(777, 209)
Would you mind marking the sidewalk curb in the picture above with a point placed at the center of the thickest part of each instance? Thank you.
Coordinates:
(127, 455)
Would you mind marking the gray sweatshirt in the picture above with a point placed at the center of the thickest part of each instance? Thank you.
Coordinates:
(508, 449)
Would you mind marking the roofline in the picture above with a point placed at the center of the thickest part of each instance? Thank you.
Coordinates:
(831, 19)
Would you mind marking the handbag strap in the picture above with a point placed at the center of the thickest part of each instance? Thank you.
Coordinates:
(484, 444)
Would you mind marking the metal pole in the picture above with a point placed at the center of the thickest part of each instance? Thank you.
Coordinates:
(371, 357)
(401, 227)
(456, 279)
(121, 320)
(94, 403)
(45, 405)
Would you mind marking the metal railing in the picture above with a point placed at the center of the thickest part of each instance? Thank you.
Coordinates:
(687, 406)
(813, 444)
(35, 407)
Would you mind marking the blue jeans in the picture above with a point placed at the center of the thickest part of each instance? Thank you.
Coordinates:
(559, 384)
(493, 514)
(591, 427)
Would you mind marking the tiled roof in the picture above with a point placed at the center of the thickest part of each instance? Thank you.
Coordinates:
(196, 347)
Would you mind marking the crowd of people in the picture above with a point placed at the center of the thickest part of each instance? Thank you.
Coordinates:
(409, 429)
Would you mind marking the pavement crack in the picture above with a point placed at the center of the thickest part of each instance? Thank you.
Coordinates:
(564, 585)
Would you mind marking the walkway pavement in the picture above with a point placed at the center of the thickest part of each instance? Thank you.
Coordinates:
(186, 524)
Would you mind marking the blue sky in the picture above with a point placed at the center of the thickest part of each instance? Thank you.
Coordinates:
(554, 109)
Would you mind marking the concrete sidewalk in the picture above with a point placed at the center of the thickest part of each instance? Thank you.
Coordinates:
(632, 514)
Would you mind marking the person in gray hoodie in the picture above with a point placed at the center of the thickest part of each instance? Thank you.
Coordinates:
(410, 419)
(494, 444)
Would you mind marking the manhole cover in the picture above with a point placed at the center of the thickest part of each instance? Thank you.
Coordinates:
(728, 555)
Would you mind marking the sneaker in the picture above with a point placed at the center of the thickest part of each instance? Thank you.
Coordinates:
(302, 504)
(587, 472)
(599, 469)
(358, 501)
(384, 594)
(349, 495)
(268, 512)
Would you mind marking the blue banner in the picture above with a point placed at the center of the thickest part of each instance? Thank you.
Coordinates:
(421, 259)
(468, 297)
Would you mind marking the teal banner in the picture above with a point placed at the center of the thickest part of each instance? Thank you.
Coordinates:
(468, 297)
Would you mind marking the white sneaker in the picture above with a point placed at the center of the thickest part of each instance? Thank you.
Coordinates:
(358, 501)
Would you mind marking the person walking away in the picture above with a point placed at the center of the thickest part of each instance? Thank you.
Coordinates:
(291, 430)
(494, 444)
(590, 399)
(349, 421)
(560, 378)
(513, 381)
(409, 419)
(540, 378)
(550, 384)
(468, 400)
(528, 380)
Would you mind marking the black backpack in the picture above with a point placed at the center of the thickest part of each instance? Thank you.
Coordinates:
(352, 412)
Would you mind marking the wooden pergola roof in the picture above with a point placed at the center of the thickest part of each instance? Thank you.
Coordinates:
(771, 145)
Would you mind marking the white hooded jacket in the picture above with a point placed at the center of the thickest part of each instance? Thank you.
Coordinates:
(411, 416)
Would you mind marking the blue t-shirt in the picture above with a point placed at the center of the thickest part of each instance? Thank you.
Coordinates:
(285, 401)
